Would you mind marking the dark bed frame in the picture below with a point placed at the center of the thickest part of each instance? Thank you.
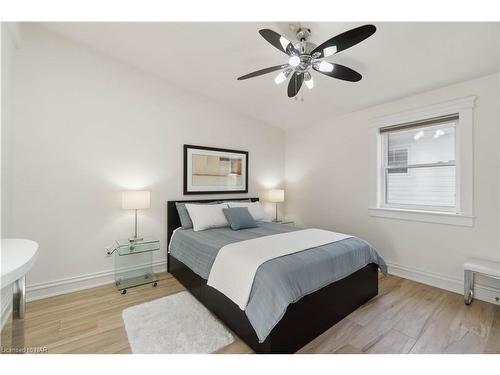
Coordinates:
(303, 321)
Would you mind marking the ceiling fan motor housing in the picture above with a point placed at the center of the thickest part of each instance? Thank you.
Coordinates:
(305, 63)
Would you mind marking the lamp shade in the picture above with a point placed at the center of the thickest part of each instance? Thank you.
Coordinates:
(275, 195)
(135, 200)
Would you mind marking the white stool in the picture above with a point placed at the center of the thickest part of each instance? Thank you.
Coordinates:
(484, 267)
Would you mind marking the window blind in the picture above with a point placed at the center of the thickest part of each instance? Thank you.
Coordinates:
(418, 124)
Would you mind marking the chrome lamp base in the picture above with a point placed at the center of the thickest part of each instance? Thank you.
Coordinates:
(135, 238)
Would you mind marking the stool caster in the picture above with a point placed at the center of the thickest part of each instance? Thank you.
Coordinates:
(124, 291)
(155, 283)
(468, 297)
(468, 286)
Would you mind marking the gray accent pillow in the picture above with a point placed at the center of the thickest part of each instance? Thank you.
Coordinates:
(239, 218)
(186, 222)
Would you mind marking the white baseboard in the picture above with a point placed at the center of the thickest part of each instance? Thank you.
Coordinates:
(481, 292)
(74, 284)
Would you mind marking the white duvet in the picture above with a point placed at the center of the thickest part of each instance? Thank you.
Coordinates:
(236, 264)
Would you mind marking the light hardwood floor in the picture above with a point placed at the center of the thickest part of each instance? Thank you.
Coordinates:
(406, 317)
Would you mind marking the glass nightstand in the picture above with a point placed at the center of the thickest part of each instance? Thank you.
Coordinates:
(133, 263)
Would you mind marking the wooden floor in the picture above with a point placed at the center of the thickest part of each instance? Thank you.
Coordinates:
(406, 317)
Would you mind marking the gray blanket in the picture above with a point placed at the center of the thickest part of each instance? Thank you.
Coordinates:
(274, 288)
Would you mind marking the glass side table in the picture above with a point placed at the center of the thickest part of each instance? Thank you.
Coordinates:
(133, 263)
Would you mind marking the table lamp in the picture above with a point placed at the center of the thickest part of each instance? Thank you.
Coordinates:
(276, 196)
(135, 200)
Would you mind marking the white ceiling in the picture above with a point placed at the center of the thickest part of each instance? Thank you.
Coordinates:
(400, 59)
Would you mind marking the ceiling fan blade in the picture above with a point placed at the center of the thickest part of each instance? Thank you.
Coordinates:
(295, 84)
(278, 41)
(263, 71)
(340, 72)
(345, 40)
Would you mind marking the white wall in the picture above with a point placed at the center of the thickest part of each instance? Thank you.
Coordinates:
(328, 184)
(88, 127)
(8, 32)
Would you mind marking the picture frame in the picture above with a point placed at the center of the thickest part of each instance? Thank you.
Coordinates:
(211, 170)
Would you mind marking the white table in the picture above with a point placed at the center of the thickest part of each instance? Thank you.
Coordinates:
(17, 258)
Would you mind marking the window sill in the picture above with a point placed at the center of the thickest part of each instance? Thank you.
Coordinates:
(423, 216)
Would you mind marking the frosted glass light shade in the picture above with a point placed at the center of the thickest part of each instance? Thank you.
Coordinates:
(135, 200)
(275, 195)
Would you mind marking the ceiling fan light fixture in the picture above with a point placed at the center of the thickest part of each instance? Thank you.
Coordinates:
(280, 78)
(328, 51)
(309, 80)
(284, 42)
(325, 66)
(294, 61)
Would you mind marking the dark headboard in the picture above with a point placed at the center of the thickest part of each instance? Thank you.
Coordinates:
(173, 221)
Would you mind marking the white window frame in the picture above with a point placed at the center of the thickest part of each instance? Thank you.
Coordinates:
(463, 213)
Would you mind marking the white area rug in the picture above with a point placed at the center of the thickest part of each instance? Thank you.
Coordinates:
(174, 324)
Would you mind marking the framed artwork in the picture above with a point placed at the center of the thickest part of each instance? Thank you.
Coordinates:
(209, 170)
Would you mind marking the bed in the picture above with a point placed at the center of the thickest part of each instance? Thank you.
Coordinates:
(269, 324)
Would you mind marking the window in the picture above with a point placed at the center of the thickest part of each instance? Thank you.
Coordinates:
(423, 167)
(427, 180)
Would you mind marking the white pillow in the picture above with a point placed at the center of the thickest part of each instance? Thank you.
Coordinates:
(255, 209)
(205, 216)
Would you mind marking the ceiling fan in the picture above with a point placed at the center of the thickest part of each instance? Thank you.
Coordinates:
(304, 55)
